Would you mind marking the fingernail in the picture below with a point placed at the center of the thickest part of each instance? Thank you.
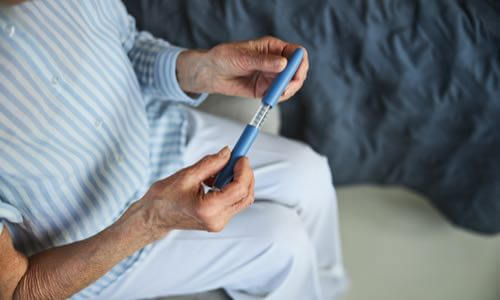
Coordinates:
(281, 63)
(224, 151)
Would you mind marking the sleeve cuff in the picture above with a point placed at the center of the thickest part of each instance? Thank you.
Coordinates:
(10, 214)
(166, 78)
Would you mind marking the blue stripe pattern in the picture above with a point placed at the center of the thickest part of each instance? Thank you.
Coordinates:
(90, 116)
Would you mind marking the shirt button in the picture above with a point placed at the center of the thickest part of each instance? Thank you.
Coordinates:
(9, 30)
(98, 123)
(55, 80)
(119, 158)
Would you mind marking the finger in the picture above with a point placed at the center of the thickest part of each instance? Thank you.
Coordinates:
(238, 188)
(251, 197)
(243, 177)
(246, 202)
(273, 45)
(278, 47)
(287, 50)
(293, 87)
(301, 73)
(241, 205)
(269, 75)
(304, 65)
(263, 83)
(209, 165)
(264, 62)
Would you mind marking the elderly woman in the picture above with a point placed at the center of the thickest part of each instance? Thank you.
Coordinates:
(102, 172)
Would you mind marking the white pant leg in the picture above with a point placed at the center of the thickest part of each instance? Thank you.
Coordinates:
(284, 248)
(289, 173)
(263, 253)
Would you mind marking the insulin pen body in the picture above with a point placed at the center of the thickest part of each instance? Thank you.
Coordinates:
(251, 130)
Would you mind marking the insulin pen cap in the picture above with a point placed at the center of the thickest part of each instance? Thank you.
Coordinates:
(273, 94)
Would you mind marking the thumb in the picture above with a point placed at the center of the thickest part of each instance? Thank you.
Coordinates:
(267, 62)
(210, 165)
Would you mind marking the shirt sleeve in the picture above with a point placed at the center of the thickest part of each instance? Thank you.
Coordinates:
(9, 213)
(154, 61)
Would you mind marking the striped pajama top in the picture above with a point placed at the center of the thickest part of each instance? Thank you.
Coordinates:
(89, 118)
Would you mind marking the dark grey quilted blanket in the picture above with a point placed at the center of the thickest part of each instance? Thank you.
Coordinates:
(399, 92)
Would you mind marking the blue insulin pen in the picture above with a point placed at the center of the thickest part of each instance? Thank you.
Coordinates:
(252, 129)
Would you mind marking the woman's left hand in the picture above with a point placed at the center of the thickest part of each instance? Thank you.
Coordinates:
(244, 69)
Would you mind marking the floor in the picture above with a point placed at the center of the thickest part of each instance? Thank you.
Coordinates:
(398, 247)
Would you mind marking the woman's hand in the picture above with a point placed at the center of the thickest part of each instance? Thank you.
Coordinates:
(179, 201)
(243, 69)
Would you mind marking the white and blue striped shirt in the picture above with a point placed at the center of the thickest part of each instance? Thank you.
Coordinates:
(88, 120)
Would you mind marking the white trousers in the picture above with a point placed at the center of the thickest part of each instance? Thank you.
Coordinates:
(285, 246)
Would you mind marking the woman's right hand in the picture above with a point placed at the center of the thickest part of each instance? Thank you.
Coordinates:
(179, 201)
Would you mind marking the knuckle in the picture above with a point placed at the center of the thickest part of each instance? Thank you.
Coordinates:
(204, 213)
(241, 192)
(268, 38)
(243, 164)
(207, 160)
(245, 161)
(214, 226)
(219, 50)
(244, 205)
(187, 173)
(156, 188)
(184, 182)
(250, 200)
(243, 62)
(200, 212)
